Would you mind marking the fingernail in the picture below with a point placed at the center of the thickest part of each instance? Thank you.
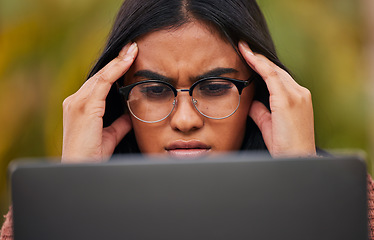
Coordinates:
(131, 48)
(122, 52)
(130, 52)
(246, 47)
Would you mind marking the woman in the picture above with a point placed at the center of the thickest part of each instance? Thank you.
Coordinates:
(187, 78)
(178, 40)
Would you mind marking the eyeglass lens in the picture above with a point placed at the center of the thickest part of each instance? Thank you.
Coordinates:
(153, 102)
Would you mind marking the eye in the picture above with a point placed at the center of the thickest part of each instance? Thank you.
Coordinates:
(215, 88)
(155, 90)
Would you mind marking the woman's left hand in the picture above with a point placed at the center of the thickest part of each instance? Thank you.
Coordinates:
(288, 130)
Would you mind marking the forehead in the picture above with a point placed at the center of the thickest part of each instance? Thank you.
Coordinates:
(189, 50)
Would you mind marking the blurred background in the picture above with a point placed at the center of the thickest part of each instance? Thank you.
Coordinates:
(47, 48)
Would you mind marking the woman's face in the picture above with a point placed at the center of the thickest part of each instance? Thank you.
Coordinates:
(181, 55)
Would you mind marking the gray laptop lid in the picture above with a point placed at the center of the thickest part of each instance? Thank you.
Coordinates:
(231, 197)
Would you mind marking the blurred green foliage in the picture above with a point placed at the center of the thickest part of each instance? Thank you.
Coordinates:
(47, 48)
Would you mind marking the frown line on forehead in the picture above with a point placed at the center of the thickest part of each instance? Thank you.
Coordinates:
(152, 75)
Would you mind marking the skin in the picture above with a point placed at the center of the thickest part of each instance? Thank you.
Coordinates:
(181, 55)
(187, 52)
(288, 130)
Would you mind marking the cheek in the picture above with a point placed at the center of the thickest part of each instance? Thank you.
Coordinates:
(236, 124)
(232, 132)
(144, 134)
(150, 136)
(229, 133)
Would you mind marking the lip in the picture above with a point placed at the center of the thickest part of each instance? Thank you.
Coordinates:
(187, 149)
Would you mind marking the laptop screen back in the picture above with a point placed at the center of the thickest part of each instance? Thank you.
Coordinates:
(230, 197)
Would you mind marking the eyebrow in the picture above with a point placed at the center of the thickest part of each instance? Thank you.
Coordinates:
(216, 72)
(152, 75)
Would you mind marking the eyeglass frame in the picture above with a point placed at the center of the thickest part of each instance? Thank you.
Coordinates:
(239, 84)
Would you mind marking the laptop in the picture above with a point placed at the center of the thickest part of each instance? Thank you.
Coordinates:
(236, 196)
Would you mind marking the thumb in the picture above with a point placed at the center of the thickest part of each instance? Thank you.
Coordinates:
(262, 117)
(113, 134)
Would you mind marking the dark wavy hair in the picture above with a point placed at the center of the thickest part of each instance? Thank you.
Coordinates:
(234, 19)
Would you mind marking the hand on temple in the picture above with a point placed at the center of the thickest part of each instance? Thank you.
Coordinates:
(84, 138)
(288, 130)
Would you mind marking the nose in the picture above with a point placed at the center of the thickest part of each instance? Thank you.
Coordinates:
(185, 117)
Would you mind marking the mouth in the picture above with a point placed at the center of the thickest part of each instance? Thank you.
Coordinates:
(187, 149)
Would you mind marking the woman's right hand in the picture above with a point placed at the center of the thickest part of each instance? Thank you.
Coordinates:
(84, 138)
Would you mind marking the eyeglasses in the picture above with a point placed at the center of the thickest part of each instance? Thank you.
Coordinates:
(152, 101)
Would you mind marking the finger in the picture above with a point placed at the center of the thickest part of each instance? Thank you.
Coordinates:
(99, 85)
(262, 117)
(121, 55)
(119, 128)
(113, 134)
(86, 89)
(264, 68)
(113, 72)
(253, 58)
(280, 83)
(288, 87)
(283, 74)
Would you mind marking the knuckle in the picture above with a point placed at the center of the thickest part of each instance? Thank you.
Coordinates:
(72, 105)
(273, 73)
(111, 131)
(290, 101)
(66, 102)
(101, 77)
(305, 95)
(302, 97)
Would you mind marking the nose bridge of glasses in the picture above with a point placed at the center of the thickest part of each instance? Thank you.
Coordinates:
(190, 95)
(184, 90)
